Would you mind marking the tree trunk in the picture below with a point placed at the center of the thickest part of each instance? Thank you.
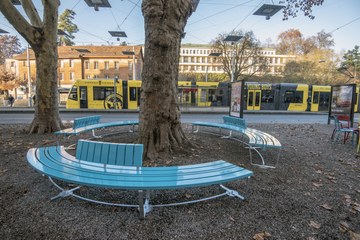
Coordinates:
(47, 118)
(160, 128)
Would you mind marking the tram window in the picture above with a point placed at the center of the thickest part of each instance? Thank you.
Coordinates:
(267, 96)
(133, 94)
(73, 94)
(316, 98)
(100, 93)
(299, 96)
(293, 97)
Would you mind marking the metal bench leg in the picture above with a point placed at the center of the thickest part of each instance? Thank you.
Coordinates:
(64, 193)
(144, 206)
(94, 135)
(228, 136)
(232, 193)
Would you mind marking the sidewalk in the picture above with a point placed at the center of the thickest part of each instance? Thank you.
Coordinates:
(200, 110)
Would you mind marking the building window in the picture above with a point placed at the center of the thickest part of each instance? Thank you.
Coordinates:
(106, 65)
(96, 76)
(72, 76)
(61, 63)
(107, 76)
(96, 65)
(87, 65)
(12, 64)
(61, 76)
(71, 63)
(88, 77)
(116, 65)
(24, 63)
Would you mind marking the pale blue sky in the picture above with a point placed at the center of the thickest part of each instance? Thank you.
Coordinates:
(340, 17)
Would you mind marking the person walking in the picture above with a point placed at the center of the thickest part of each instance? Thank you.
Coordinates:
(11, 100)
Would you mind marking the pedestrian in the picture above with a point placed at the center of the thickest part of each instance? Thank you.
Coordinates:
(11, 100)
(34, 99)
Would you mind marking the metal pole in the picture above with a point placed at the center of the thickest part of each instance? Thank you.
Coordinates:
(232, 67)
(134, 65)
(29, 75)
(206, 74)
(115, 81)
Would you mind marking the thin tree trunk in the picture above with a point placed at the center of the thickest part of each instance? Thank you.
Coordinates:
(160, 128)
(47, 118)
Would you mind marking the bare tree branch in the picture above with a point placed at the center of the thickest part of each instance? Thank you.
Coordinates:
(31, 12)
(17, 20)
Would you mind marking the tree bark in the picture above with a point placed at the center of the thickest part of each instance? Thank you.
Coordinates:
(160, 127)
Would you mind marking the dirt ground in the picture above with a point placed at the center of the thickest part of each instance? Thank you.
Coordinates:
(314, 193)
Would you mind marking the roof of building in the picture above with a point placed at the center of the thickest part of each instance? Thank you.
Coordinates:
(68, 52)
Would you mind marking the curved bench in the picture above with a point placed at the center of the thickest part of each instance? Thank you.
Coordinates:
(91, 123)
(255, 139)
(95, 170)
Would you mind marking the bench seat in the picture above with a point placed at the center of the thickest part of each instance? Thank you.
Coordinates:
(56, 163)
(92, 127)
(254, 138)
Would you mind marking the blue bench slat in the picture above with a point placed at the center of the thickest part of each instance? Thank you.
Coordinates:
(110, 153)
(56, 153)
(126, 177)
(94, 126)
(256, 137)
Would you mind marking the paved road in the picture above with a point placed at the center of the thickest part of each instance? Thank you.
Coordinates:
(26, 117)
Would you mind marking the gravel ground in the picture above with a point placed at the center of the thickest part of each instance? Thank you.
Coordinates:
(314, 193)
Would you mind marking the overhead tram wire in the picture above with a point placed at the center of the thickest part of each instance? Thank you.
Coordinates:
(222, 11)
(76, 5)
(345, 24)
(257, 6)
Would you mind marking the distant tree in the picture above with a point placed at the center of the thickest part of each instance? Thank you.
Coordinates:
(324, 40)
(9, 45)
(8, 80)
(242, 57)
(290, 42)
(351, 61)
(41, 34)
(66, 24)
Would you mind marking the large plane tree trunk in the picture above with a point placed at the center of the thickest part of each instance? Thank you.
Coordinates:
(41, 34)
(160, 128)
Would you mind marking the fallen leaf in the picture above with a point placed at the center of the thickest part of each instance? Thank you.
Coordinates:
(318, 184)
(314, 224)
(187, 195)
(318, 171)
(327, 207)
(261, 236)
(344, 227)
(232, 219)
(354, 235)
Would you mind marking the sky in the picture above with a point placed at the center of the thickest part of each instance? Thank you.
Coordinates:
(341, 18)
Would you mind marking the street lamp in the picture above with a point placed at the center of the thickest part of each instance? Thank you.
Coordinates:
(3, 31)
(268, 10)
(118, 34)
(232, 39)
(131, 53)
(98, 3)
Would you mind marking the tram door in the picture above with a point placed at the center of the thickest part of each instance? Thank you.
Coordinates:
(253, 99)
(83, 97)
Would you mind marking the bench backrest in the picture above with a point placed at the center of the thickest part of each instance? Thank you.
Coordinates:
(86, 121)
(110, 153)
(235, 121)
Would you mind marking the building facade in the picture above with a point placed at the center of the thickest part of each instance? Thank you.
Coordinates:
(125, 62)
(201, 59)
